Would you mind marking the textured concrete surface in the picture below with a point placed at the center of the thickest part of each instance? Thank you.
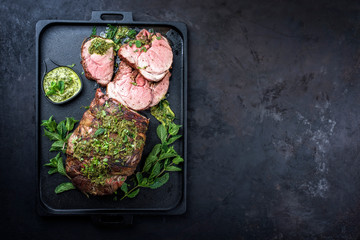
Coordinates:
(273, 120)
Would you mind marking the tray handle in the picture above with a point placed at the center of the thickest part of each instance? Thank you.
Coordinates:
(112, 16)
(113, 220)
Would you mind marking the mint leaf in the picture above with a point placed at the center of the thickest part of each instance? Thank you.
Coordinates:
(71, 66)
(61, 86)
(178, 160)
(57, 146)
(168, 155)
(52, 171)
(172, 168)
(173, 139)
(144, 182)
(60, 167)
(70, 123)
(160, 181)
(134, 193)
(61, 129)
(57, 165)
(174, 129)
(139, 177)
(156, 150)
(53, 161)
(155, 170)
(50, 124)
(124, 187)
(161, 132)
(152, 157)
(64, 187)
(50, 92)
(149, 161)
(52, 136)
(49, 165)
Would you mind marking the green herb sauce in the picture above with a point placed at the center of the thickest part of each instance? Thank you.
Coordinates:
(100, 46)
(163, 113)
(61, 83)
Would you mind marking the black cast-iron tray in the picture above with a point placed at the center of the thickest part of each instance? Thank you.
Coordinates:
(60, 41)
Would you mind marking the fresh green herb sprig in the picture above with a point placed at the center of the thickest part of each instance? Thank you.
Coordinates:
(59, 133)
(93, 32)
(56, 88)
(56, 165)
(119, 34)
(62, 187)
(162, 159)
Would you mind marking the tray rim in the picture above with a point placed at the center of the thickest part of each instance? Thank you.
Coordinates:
(180, 207)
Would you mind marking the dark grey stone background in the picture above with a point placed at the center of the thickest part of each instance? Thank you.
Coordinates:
(273, 117)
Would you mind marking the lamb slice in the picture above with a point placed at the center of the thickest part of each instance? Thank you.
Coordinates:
(157, 60)
(130, 88)
(98, 67)
(154, 62)
(106, 147)
(129, 53)
(159, 89)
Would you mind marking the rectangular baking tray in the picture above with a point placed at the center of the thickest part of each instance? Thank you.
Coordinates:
(60, 41)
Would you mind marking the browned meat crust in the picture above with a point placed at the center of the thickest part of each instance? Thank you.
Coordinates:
(117, 169)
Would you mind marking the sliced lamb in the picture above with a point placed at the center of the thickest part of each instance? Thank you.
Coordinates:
(130, 88)
(153, 58)
(97, 59)
(134, 91)
(159, 89)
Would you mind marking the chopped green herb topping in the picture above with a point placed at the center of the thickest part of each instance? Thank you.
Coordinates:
(114, 138)
(100, 46)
